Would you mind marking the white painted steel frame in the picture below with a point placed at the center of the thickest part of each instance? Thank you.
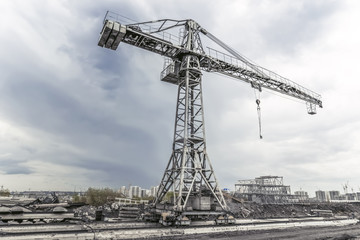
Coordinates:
(189, 171)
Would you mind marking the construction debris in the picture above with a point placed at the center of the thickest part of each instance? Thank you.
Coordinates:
(255, 210)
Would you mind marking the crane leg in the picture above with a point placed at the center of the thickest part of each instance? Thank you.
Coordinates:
(189, 174)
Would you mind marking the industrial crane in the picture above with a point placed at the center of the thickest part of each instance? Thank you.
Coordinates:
(189, 175)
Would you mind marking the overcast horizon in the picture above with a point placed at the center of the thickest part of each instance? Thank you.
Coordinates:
(74, 115)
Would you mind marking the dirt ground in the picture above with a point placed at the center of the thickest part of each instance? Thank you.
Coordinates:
(255, 210)
(322, 233)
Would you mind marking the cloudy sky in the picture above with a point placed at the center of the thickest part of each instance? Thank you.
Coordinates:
(74, 115)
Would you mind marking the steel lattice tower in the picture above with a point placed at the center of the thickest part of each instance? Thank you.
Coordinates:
(189, 171)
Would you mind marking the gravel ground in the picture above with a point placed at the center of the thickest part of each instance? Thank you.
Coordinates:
(322, 233)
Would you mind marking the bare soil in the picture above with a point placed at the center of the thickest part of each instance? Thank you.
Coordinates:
(313, 233)
(323, 233)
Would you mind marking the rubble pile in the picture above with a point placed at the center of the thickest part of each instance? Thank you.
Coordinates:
(257, 210)
(88, 213)
(115, 211)
(129, 212)
(250, 210)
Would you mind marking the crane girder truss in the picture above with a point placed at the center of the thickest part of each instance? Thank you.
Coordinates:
(156, 40)
(189, 173)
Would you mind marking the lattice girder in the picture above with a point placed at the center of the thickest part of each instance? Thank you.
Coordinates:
(189, 170)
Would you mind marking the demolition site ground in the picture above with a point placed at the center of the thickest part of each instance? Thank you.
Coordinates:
(262, 216)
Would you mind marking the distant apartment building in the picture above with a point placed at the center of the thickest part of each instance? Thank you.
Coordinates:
(153, 191)
(134, 191)
(144, 193)
(351, 196)
(123, 191)
(334, 195)
(301, 196)
(321, 196)
(328, 196)
(358, 196)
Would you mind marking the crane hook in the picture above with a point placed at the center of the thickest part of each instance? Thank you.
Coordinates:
(258, 87)
(259, 116)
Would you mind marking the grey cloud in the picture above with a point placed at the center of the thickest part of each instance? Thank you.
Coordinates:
(50, 109)
(14, 166)
(299, 25)
(117, 117)
(114, 174)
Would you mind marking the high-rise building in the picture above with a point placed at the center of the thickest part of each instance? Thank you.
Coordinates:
(134, 191)
(334, 195)
(351, 196)
(358, 196)
(301, 196)
(123, 191)
(301, 193)
(320, 195)
(153, 191)
(144, 193)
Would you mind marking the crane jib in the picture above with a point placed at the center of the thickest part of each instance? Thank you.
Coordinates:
(232, 64)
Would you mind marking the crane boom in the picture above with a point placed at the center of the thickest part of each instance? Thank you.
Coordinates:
(155, 39)
(259, 76)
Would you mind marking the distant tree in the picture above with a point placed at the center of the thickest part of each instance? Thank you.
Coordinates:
(78, 199)
(150, 198)
(98, 197)
(4, 192)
